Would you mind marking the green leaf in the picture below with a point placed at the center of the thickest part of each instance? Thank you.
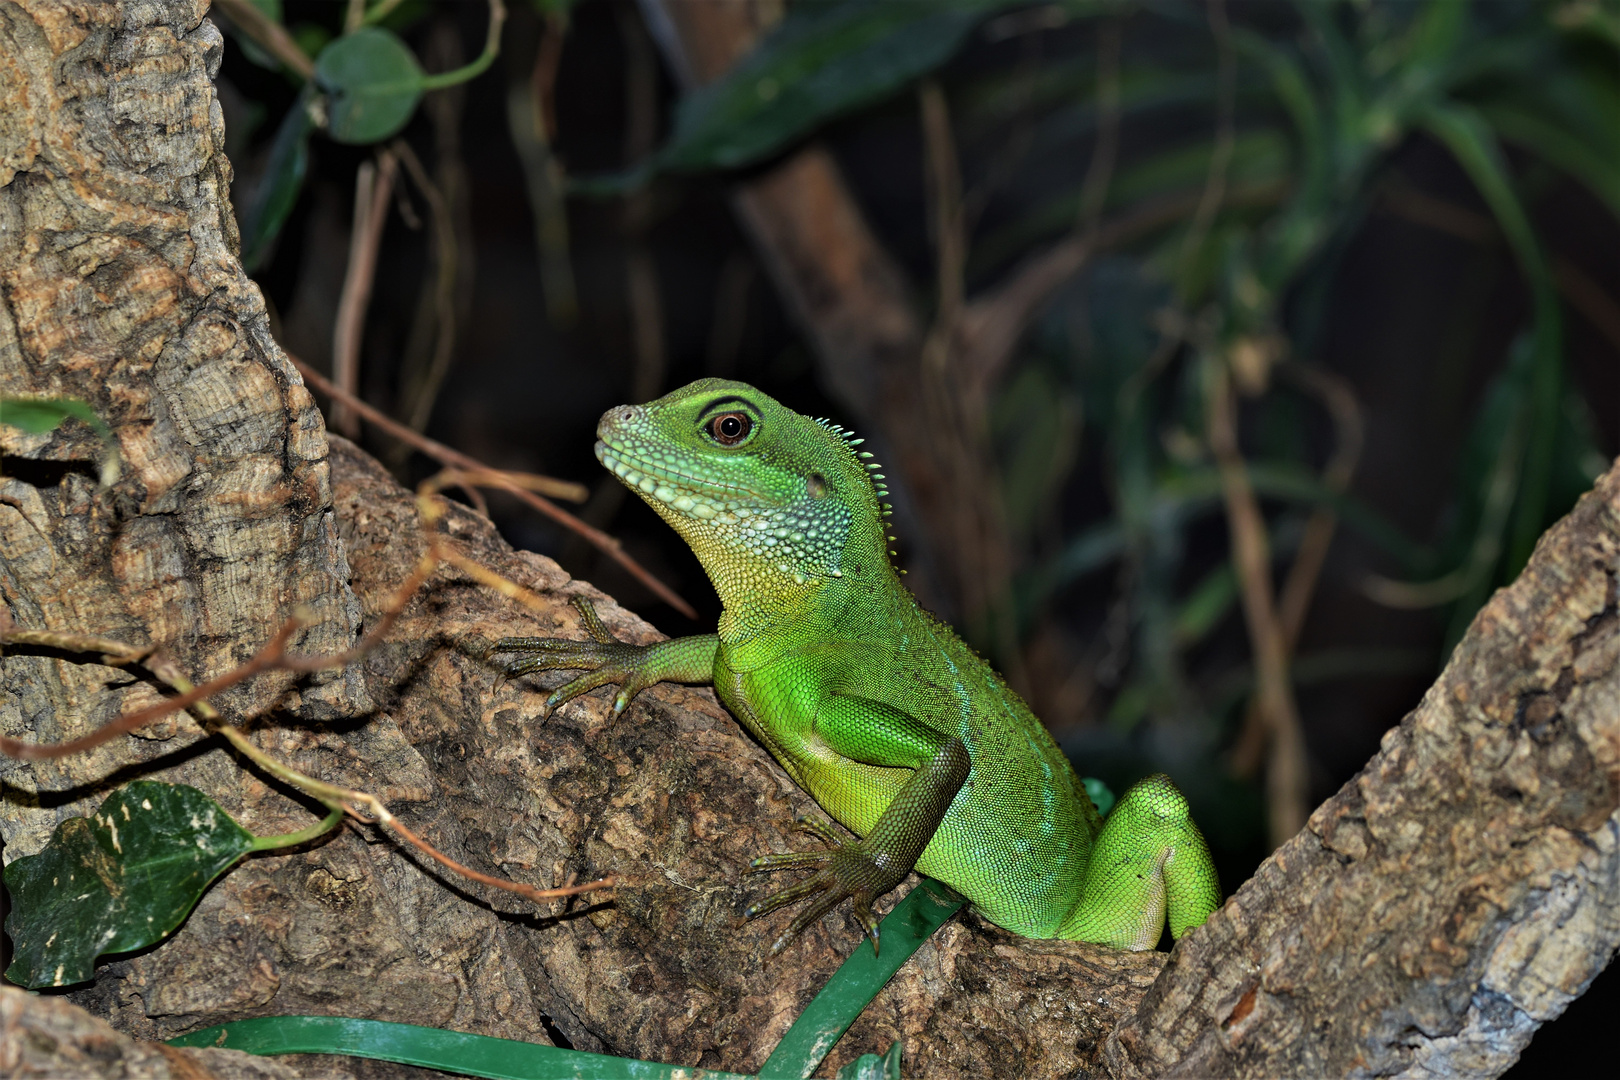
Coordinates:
(873, 1067)
(373, 83)
(38, 416)
(278, 189)
(853, 986)
(458, 1053)
(913, 921)
(822, 62)
(1464, 132)
(120, 880)
(1102, 796)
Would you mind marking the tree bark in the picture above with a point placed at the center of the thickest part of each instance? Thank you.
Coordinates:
(1452, 897)
(121, 287)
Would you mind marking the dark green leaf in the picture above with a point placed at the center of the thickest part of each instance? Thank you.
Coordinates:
(821, 63)
(373, 82)
(278, 188)
(913, 921)
(120, 880)
(873, 1067)
(458, 1053)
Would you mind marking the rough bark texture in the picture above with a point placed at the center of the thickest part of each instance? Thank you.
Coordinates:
(1461, 890)
(1454, 895)
(119, 286)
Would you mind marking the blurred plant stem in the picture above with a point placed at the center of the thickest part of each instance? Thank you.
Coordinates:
(445, 293)
(373, 191)
(1286, 774)
(531, 114)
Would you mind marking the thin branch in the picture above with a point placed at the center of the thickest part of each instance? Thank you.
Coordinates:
(492, 48)
(269, 35)
(419, 397)
(641, 275)
(1584, 295)
(1589, 298)
(944, 176)
(1286, 777)
(545, 485)
(532, 123)
(1340, 399)
(193, 696)
(1220, 157)
(373, 190)
(1105, 151)
(266, 658)
(510, 483)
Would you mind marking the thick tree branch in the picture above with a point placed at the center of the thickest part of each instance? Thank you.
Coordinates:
(1456, 894)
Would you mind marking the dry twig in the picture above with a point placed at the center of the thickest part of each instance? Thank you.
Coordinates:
(521, 485)
(373, 191)
(268, 34)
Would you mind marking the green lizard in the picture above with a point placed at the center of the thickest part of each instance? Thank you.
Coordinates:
(898, 729)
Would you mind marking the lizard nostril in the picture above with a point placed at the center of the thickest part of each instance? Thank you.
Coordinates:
(619, 416)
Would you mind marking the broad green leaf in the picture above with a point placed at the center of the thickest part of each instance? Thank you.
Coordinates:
(278, 188)
(822, 62)
(120, 880)
(373, 83)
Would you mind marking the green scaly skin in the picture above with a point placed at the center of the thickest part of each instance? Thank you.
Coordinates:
(898, 729)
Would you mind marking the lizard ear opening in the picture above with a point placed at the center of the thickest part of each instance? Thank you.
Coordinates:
(815, 485)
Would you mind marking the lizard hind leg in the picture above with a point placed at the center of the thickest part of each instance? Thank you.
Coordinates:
(1149, 863)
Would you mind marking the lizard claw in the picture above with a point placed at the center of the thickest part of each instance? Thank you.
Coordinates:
(845, 869)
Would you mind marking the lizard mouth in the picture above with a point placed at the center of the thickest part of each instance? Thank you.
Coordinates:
(681, 492)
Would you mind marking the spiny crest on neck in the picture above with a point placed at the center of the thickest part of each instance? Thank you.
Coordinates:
(872, 471)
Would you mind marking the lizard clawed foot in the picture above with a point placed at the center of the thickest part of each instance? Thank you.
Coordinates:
(845, 869)
(604, 658)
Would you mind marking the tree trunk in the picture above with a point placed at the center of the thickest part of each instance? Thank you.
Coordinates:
(1455, 895)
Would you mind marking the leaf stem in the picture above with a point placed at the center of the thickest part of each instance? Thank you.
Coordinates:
(292, 839)
(492, 48)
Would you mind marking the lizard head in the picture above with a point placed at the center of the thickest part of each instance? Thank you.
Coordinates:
(765, 497)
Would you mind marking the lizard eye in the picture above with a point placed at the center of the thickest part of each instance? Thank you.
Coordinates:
(730, 428)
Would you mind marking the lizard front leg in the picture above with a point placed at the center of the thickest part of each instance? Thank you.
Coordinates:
(606, 660)
(877, 734)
